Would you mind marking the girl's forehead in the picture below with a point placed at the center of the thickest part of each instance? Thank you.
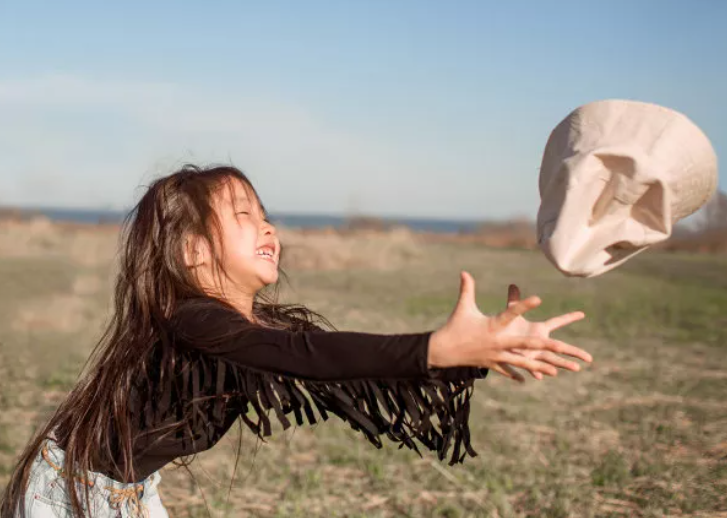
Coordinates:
(235, 193)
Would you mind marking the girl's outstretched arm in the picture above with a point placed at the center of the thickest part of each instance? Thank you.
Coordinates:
(468, 339)
(207, 326)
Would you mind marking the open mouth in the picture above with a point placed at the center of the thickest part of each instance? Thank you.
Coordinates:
(266, 252)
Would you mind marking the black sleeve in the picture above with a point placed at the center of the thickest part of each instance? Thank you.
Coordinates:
(316, 355)
(378, 383)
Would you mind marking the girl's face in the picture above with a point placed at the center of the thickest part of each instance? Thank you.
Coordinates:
(251, 245)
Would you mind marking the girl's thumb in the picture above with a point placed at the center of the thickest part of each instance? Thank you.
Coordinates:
(466, 291)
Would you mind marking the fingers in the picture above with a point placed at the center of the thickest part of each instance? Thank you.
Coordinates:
(508, 372)
(536, 375)
(513, 294)
(529, 364)
(517, 309)
(563, 320)
(559, 362)
(546, 344)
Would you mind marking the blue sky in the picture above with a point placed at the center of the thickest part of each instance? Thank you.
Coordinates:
(402, 108)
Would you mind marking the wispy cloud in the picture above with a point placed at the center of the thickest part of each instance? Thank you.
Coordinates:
(100, 139)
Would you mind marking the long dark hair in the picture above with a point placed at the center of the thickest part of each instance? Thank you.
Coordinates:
(152, 279)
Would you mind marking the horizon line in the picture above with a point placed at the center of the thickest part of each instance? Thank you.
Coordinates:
(344, 215)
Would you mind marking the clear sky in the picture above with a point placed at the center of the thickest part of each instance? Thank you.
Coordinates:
(402, 108)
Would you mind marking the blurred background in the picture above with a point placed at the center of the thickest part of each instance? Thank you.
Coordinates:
(394, 144)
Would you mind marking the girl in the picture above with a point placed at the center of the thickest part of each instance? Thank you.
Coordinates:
(195, 342)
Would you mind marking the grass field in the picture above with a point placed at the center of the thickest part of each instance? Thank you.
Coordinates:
(640, 432)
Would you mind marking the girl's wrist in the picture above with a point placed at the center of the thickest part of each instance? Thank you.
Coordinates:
(437, 354)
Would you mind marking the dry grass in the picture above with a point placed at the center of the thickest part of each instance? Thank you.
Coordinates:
(333, 250)
(642, 432)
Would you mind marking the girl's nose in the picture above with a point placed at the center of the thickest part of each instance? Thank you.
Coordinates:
(268, 228)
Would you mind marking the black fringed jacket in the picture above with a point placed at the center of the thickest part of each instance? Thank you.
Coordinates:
(224, 367)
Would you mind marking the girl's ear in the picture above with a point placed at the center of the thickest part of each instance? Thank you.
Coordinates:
(196, 252)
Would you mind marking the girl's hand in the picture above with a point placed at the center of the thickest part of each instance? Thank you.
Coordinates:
(538, 329)
(469, 338)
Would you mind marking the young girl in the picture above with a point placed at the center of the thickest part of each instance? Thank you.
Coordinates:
(195, 342)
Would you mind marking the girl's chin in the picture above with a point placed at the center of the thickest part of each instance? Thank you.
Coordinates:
(269, 278)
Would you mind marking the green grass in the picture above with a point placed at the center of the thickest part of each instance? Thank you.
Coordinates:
(641, 432)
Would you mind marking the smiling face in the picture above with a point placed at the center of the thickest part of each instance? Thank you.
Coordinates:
(251, 249)
(251, 245)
